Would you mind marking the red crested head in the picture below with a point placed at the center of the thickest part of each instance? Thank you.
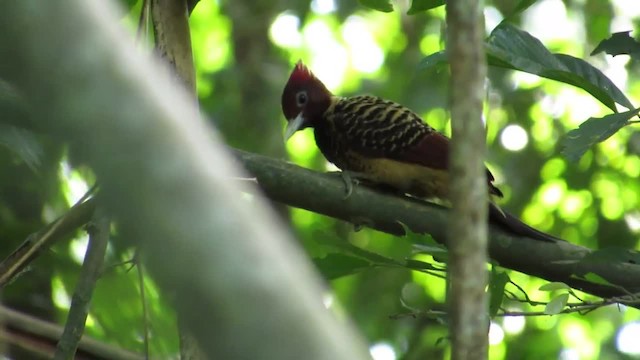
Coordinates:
(304, 99)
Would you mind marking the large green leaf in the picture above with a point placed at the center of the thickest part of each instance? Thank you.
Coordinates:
(593, 131)
(380, 5)
(418, 6)
(513, 48)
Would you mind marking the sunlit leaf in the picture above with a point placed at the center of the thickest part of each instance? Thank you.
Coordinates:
(380, 5)
(497, 282)
(556, 305)
(513, 48)
(418, 6)
(596, 279)
(619, 43)
(593, 131)
(337, 265)
(552, 286)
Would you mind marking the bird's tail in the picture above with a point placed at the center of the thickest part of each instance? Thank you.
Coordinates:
(513, 225)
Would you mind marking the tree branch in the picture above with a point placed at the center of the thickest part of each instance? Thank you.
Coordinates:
(324, 194)
(99, 231)
(40, 337)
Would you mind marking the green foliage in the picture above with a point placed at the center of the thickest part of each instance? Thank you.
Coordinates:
(593, 131)
(513, 48)
(557, 304)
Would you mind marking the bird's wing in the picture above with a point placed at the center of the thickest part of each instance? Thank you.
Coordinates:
(378, 128)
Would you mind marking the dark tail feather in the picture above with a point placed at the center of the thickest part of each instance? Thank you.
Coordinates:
(512, 224)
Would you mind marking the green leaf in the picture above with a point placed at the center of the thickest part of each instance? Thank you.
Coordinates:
(557, 304)
(497, 282)
(337, 265)
(418, 6)
(619, 43)
(380, 5)
(553, 286)
(593, 131)
(438, 251)
(434, 61)
(596, 279)
(513, 48)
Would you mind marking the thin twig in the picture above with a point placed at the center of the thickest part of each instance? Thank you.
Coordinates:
(14, 264)
(35, 336)
(91, 270)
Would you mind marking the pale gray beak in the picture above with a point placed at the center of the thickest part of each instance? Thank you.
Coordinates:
(293, 126)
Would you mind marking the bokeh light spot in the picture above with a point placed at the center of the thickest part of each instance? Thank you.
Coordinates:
(513, 325)
(627, 339)
(514, 138)
(285, 32)
(323, 6)
(496, 334)
(366, 55)
(382, 351)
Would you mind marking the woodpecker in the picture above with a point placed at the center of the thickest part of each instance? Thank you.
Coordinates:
(381, 142)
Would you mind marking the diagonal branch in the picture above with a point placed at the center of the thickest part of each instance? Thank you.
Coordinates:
(324, 193)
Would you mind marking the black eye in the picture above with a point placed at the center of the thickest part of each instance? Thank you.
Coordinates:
(301, 98)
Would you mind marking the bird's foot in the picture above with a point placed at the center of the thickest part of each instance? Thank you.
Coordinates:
(350, 178)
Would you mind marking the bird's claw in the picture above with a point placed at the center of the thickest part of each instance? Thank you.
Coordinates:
(349, 181)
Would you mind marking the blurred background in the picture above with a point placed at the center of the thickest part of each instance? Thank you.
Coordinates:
(244, 52)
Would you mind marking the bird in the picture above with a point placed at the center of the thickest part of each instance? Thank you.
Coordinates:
(381, 142)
